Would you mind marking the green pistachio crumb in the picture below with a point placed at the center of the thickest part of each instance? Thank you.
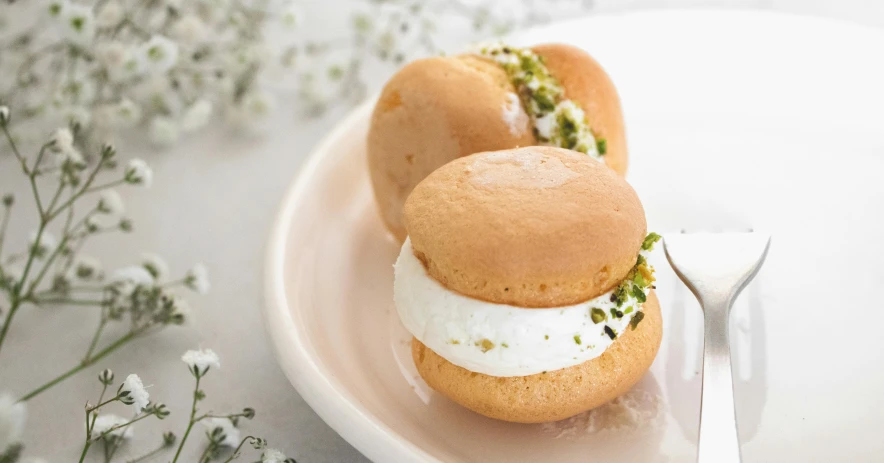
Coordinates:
(454, 341)
(628, 310)
(602, 146)
(485, 345)
(648, 243)
(577, 339)
(636, 319)
(546, 337)
(598, 315)
(610, 332)
(640, 295)
(504, 345)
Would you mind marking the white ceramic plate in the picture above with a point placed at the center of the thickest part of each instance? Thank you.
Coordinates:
(734, 119)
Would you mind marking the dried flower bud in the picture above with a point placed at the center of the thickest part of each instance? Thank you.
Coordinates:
(169, 439)
(126, 225)
(106, 377)
(248, 413)
(259, 443)
(8, 199)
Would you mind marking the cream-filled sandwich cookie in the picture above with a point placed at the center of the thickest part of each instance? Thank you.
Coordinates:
(525, 283)
(439, 109)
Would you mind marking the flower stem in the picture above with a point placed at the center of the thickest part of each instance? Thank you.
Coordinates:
(209, 448)
(191, 422)
(4, 224)
(85, 364)
(237, 449)
(95, 337)
(148, 454)
(85, 450)
(8, 321)
(114, 428)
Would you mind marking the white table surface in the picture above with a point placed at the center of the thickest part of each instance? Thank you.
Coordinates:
(213, 199)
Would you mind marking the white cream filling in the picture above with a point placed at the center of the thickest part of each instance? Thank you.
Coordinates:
(499, 339)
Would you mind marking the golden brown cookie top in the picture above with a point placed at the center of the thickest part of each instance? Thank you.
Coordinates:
(531, 227)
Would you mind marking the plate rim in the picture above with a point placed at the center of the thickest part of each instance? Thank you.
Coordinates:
(370, 437)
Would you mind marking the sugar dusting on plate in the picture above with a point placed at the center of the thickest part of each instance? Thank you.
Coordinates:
(635, 411)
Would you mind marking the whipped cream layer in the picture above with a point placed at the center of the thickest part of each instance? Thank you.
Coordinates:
(499, 339)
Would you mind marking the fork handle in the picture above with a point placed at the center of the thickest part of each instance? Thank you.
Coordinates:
(718, 440)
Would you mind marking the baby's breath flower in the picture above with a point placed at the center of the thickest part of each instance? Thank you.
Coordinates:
(78, 23)
(181, 311)
(12, 421)
(110, 14)
(128, 114)
(105, 422)
(292, 17)
(106, 377)
(47, 244)
(138, 173)
(197, 279)
(190, 29)
(127, 279)
(164, 130)
(159, 54)
(56, 8)
(199, 361)
(75, 115)
(4, 115)
(197, 115)
(110, 203)
(62, 139)
(222, 431)
(132, 392)
(87, 267)
(155, 265)
(272, 456)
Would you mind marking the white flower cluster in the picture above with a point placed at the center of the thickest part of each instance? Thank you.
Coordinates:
(173, 66)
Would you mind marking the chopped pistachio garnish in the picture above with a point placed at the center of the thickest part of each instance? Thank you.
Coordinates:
(636, 319)
(598, 315)
(546, 337)
(485, 345)
(648, 243)
(454, 341)
(640, 278)
(616, 313)
(557, 120)
(628, 310)
(577, 339)
(610, 332)
(504, 345)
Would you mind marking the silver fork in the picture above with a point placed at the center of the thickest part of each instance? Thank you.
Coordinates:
(716, 267)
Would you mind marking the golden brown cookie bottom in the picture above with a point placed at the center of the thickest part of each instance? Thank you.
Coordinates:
(554, 395)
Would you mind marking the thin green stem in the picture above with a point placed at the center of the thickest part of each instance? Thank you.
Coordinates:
(100, 355)
(85, 450)
(56, 252)
(76, 195)
(97, 335)
(89, 303)
(191, 422)
(106, 185)
(102, 404)
(209, 448)
(4, 224)
(123, 425)
(57, 195)
(238, 448)
(148, 454)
